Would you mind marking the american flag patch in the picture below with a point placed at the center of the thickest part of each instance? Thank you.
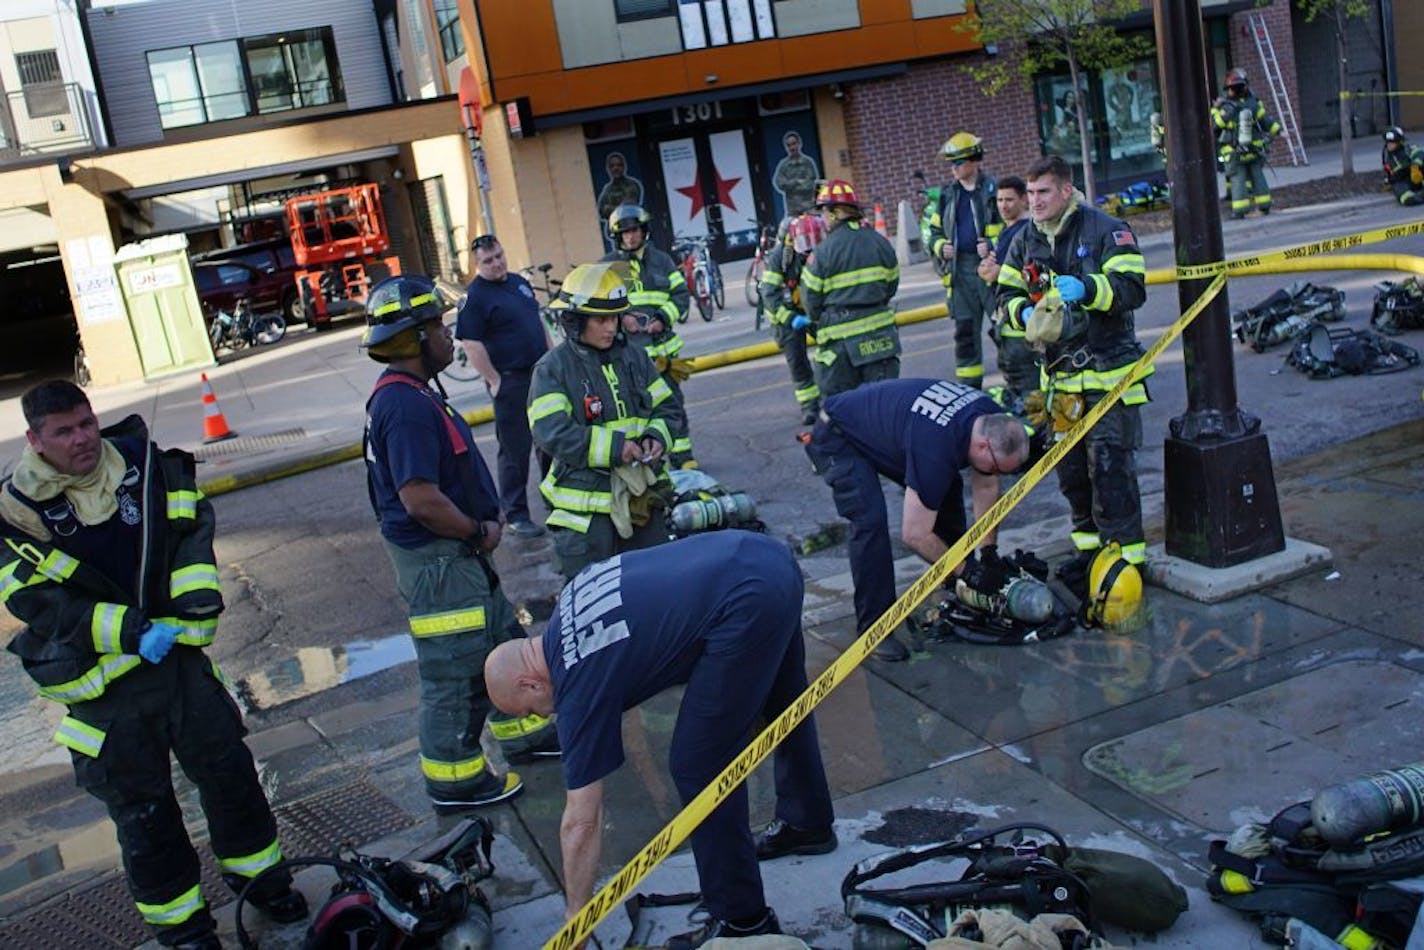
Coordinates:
(1124, 238)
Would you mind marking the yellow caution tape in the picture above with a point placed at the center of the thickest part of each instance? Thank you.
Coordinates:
(1313, 249)
(612, 894)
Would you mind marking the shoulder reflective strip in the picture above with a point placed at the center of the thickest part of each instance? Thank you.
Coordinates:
(448, 622)
(176, 911)
(660, 391)
(866, 324)
(857, 278)
(250, 865)
(517, 728)
(185, 580)
(106, 623)
(94, 680)
(548, 404)
(182, 504)
(452, 771)
(600, 447)
(80, 736)
(1086, 540)
(558, 518)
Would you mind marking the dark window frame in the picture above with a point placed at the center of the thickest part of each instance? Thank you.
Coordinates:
(643, 10)
(252, 96)
(447, 24)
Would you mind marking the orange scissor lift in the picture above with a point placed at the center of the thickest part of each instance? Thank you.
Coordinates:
(340, 241)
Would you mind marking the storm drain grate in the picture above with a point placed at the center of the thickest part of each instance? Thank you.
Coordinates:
(256, 443)
(348, 814)
(103, 915)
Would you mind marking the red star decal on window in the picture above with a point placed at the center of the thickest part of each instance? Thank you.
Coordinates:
(724, 191)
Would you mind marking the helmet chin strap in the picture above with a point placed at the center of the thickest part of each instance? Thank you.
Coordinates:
(427, 362)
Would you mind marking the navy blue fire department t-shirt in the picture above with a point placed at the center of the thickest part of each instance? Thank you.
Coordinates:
(915, 431)
(504, 316)
(619, 635)
(408, 440)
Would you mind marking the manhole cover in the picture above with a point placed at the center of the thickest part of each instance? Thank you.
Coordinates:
(349, 814)
(256, 443)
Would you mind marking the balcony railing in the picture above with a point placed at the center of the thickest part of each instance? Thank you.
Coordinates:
(44, 119)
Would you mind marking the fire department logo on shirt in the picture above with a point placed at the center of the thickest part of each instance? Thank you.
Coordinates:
(524, 289)
(589, 611)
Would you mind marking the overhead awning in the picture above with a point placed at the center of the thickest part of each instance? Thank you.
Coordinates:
(237, 175)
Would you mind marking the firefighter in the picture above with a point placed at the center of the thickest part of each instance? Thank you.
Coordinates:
(439, 515)
(1243, 133)
(1093, 264)
(108, 560)
(599, 407)
(780, 290)
(961, 233)
(1016, 361)
(846, 287)
(657, 301)
(1403, 166)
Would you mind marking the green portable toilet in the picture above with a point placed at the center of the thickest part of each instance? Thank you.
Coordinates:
(164, 313)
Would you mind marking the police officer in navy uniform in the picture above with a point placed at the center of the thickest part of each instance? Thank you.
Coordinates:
(108, 560)
(502, 334)
(919, 433)
(721, 614)
(439, 518)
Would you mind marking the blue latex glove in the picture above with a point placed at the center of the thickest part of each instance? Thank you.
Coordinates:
(800, 322)
(155, 642)
(1070, 288)
(1024, 314)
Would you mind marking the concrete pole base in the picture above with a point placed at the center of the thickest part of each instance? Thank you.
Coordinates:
(1210, 585)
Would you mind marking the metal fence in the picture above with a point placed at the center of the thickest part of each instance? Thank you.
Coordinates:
(44, 118)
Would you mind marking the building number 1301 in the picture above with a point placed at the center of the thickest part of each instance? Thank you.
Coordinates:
(701, 112)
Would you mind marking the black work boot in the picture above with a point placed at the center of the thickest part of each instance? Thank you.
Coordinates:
(715, 928)
(781, 838)
(1074, 573)
(287, 906)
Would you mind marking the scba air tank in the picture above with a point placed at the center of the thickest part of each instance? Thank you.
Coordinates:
(1347, 813)
(708, 514)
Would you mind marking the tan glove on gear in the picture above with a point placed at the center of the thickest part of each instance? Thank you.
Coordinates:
(1036, 408)
(676, 367)
(1416, 175)
(1066, 409)
(1045, 324)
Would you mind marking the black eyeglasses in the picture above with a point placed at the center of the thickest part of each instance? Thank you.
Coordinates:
(484, 242)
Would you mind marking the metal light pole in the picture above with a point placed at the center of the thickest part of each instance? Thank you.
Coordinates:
(1220, 489)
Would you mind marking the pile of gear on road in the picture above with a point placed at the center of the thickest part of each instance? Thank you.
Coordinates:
(1299, 314)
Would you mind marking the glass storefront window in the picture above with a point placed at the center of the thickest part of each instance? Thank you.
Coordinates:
(1121, 102)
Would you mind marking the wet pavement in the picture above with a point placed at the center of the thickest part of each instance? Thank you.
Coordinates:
(1151, 743)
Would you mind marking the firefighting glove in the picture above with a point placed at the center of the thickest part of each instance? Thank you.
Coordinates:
(986, 571)
(800, 322)
(677, 367)
(1416, 175)
(155, 642)
(1070, 288)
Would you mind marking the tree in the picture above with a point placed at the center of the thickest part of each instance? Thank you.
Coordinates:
(1047, 33)
(1339, 12)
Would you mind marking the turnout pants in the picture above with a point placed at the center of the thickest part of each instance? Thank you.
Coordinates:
(1248, 185)
(1405, 192)
(511, 429)
(457, 615)
(575, 550)
(837, 372)
(753, 667)
(969, 300)
(1099, 479)
(792, 344)
(855, 488)
(176, 706)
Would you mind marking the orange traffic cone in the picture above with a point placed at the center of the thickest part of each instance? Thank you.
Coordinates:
(880, 221)
(214, 423)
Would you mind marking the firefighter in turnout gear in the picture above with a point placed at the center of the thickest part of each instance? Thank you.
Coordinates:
(846, 287)
(1243, 133)
(1403, 167)
(959, 233)
(439, 516)
(780, 289)
(108, 560)
(1090, 262)
(657, 301)
(599, 407)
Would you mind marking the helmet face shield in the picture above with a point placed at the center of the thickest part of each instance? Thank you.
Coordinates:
(627, 217)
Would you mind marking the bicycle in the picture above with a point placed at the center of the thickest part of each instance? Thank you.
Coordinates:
(703, 275)
(549, 287)
(752, 288)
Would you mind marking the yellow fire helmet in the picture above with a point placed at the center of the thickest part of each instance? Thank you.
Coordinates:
(1115, 592)
(594, 289)
(962, 147)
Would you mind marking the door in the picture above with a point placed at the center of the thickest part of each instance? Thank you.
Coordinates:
(707, 187)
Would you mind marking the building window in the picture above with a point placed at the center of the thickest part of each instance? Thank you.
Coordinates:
(447, 21)
(642, 9)
(42, 83)
(252, 76)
